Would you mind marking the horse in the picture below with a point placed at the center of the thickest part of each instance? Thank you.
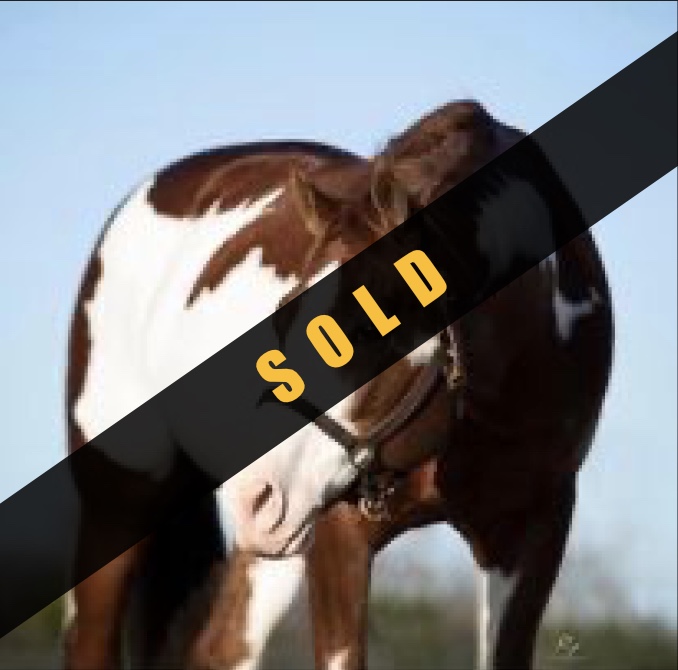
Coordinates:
(237, 231)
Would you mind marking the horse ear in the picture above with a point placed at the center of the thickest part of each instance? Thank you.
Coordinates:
(314, 206)
(421, 158)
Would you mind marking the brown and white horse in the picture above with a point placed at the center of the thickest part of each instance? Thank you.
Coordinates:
(210, 246)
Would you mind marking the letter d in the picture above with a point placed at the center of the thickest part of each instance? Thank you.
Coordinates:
(436, 284)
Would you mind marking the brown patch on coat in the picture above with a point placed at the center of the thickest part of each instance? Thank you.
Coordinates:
(78, 351)
(225, 179)
(281, 237)
(222, 643)
(229, 175)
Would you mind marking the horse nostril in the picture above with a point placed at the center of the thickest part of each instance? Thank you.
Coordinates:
(262, 498)
(266, 506)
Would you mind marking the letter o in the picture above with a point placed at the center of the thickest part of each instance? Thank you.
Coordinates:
(330, 341)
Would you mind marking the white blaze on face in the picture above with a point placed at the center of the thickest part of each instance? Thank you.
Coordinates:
(273, 502)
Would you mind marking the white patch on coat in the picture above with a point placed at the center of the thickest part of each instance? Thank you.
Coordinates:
(143, 337)
(567, 312)
(69, 610)
(496, 589)
(226, 519)
(324, 272)
(550, 264)
(273, 584)
(339, 661)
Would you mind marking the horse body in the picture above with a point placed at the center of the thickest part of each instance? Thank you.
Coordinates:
(212, 245)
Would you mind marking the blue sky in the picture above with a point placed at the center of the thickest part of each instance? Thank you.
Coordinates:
(96, 95)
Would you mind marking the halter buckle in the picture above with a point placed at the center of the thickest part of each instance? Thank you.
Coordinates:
(363, 457)
(375, 491)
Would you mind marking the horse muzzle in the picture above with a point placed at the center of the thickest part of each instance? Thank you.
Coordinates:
(263, 525)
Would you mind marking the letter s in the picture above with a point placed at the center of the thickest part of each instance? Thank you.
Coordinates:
(292, 385)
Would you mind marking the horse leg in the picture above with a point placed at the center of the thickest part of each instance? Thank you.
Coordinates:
(93, 638)
(519, 564)
(339, 564)
(254, 594)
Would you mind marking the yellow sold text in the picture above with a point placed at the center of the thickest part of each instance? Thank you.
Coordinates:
(330, 340)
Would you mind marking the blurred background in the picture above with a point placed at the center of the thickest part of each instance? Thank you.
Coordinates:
(97, 95)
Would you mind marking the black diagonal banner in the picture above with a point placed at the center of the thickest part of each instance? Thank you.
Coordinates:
(211, 423)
